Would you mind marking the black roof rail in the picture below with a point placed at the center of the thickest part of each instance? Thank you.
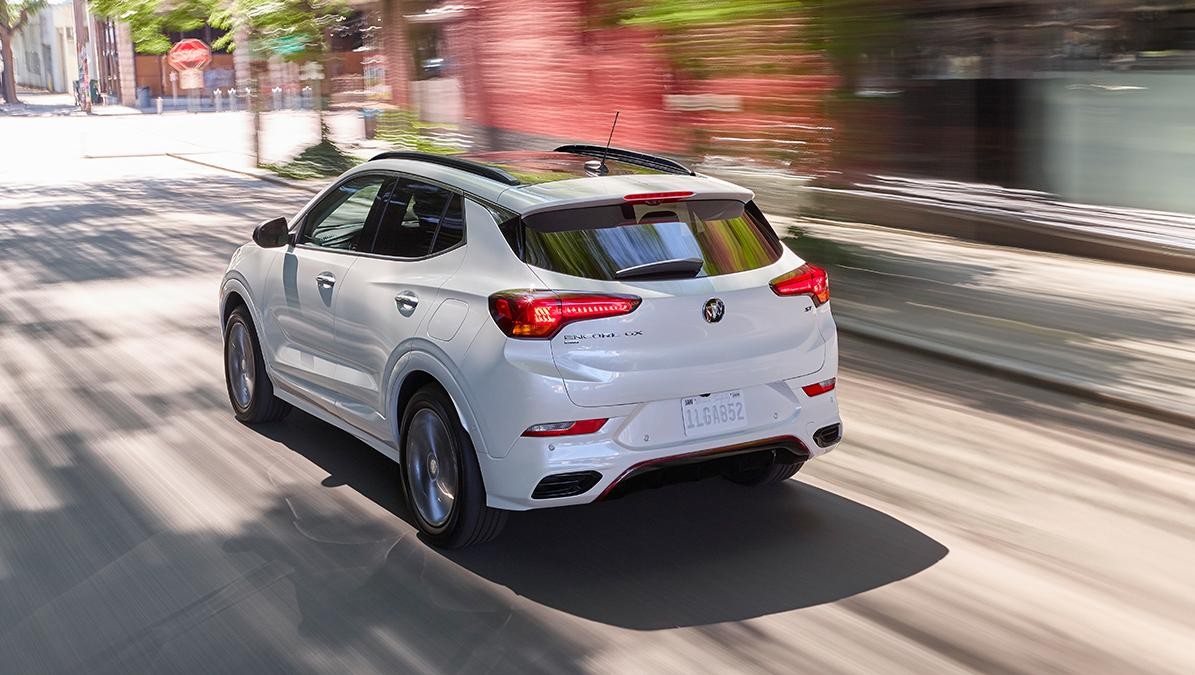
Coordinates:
(491, 172)
(628, 157)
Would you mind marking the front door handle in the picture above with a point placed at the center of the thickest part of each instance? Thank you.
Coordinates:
(325, 279)
(406, 301)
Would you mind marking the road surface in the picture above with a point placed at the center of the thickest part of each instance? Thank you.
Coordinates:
(967, 524)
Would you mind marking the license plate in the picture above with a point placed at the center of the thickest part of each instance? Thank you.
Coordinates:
(716, 413)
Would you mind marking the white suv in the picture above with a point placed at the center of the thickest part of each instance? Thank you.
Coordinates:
(536, 329)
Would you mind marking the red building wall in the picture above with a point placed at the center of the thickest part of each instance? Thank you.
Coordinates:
(552, 69)
(534, 67)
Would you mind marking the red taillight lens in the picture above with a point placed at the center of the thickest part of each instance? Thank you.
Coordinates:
(565, 428)
(820, 387)
(808, 280)
(541, 314)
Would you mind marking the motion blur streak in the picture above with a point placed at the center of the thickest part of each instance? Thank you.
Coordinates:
(967, 523)
(998, 190)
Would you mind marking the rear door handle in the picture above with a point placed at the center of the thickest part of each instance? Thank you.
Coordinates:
(325, 279)
(406, 301)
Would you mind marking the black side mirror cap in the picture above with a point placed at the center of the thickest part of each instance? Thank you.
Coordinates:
(272, 233)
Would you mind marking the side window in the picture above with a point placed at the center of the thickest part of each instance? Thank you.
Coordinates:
(452, 226)
(509, 225)
(338, 220)
(420, 219)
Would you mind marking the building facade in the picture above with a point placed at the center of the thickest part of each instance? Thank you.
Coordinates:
(49, 55)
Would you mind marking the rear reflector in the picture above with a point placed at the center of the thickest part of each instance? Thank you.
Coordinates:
(541, 314)
(820, 387)
(657, 197)
(808, 280)
(565, 428)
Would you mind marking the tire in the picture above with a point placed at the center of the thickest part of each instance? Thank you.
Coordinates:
(253, 401)
(765, 475)
(438, 461)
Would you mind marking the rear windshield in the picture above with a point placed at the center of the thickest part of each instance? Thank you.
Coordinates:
(600, 241)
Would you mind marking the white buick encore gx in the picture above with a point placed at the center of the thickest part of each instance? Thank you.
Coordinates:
(536, 329)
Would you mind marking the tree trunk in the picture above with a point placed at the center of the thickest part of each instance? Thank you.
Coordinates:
(9, 88)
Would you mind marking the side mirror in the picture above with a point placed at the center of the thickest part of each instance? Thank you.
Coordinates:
(271, 233)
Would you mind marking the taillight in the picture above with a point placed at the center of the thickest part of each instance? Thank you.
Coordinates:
(541, 314)
(657, 197)
(565, 428)
(808, 280)
(820, 388)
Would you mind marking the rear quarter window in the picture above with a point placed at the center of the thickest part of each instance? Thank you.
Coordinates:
(597, 242)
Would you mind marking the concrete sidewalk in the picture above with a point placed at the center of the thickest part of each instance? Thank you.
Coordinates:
(1117, 334)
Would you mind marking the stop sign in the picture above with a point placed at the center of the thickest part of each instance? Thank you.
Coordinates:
(189, 54)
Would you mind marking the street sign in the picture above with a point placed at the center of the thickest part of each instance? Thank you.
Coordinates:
(191, 78)
(189, 54)
(287, 44)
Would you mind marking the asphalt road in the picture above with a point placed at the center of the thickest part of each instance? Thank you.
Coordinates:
(966, 525)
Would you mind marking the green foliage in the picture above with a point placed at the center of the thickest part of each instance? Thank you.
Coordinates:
(14, 13)
(322, 160)
(403, 129)
(706, 38)
(681, 14)
(292, 28)
(149, 20)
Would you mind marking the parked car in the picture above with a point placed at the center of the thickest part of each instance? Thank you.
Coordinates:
(536, 329)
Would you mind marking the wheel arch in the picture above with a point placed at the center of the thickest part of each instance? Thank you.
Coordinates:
(231, 302)
(235, 294)
(418, 368)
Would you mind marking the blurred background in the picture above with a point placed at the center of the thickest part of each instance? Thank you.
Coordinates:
(1088, 101)
(1001, 190)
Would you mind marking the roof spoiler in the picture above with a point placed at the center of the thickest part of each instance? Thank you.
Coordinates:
(628, 157)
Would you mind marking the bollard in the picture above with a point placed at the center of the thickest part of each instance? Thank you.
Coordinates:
(232, 99)
(159, 105)
(216, 99)
(277, 98)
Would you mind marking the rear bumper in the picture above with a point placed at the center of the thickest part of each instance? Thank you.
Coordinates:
(584, 469)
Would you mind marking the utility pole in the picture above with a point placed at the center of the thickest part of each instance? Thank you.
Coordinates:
(257, 70)
(82, 40)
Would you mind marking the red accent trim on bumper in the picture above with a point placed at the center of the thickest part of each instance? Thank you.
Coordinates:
(711, 452)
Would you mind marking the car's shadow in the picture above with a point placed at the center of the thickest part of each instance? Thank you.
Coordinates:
(686, 555)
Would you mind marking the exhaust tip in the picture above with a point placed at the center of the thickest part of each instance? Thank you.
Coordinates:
(827, 436)
(566, 485)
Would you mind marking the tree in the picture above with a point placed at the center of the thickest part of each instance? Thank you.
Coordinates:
(294, 29)
(14, 14)
(150, 20)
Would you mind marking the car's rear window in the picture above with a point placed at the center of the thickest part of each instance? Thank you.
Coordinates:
(597, 242)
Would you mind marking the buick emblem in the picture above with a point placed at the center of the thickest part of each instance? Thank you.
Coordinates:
(713, 310)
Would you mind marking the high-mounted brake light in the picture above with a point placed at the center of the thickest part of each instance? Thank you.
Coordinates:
(820, 387)
(808, 280)
(657, 197)
(565, 428)
(541, 314)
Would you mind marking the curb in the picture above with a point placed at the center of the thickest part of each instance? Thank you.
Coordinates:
(993, 227)
(269, 178)
(1012, 370)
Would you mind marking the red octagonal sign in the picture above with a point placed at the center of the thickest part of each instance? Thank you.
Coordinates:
(189, 54)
